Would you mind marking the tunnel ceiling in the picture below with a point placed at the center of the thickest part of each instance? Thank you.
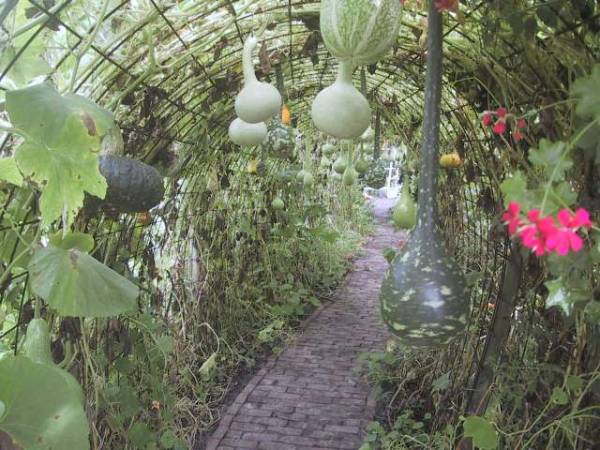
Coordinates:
(170, 70)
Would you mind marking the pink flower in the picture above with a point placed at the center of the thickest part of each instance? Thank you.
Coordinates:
(521, 123)
(499, 127)
(501, 112)
(486, 121)
(511, 217)
(517, 136)
(542, 235)
(446, 5)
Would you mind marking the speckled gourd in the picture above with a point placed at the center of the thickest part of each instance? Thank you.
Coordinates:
(423, 297)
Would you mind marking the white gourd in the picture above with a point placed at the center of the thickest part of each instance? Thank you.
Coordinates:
(257, 101)
(340, 110)
(247, 134)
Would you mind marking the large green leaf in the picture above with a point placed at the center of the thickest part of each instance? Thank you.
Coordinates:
(483, 432)
(42, 411)
(76, 284)
(41, 112)
(10, 172)
(549, 157)
(68, 165)
(514, 189)
(587, 91)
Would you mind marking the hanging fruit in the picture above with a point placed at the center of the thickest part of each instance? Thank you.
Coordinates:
(423, 297)
(404, 215)
(328, 149)
(450, 161)
(340, 164)
(258, 101)
(286, 116)
(350, 176)
(356, 33)
(132, 186)
(247, 134)
(277, 203)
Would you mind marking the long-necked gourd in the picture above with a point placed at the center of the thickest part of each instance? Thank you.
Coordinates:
(355, 32)
(423, 296)
(247, 134)
(404, 214)
(257, 101)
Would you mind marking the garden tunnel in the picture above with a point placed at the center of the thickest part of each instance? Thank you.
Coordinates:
(214, 265)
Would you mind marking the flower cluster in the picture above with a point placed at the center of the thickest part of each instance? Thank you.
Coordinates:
(500, 123)
(446, 5)
(544, 235)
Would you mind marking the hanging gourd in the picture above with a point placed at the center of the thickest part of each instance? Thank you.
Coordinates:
(325, 162)
(308, 180)
(450, 160)
(281, 138)
(247, 134)
(328, 149)
(258, 101)
(277, 203)
(423, 297)
(404, 214)
(361, 165)
(340, 164)
(350, 176)
(132, 186)
(286, 116)
(356, 33)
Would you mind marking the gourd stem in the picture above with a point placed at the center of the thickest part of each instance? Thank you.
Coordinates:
(249, 45)
(345, 71)
(427, 214)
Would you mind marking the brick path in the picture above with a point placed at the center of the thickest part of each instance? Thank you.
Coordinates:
(308, 397)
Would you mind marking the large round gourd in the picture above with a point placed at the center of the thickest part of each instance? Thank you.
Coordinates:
(423, 296)
(359, 31)
(133, 186)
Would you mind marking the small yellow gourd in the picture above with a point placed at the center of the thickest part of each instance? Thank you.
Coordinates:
(450, 160)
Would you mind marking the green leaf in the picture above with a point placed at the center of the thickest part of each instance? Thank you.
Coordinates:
(587, 91)
(76, 284)
(441, 383)
(514, 189)
(80, 241)
(482, 432)
(42, 113)
(549, 157)
(42, 410)
(559, 396)
(66, 167)
(10, 172)
(574, 383)
(208, 365)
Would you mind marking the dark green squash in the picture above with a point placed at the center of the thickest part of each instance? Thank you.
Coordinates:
(133, 186)
(423, 297)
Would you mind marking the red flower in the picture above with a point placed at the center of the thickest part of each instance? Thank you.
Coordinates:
(446, 5)
(501, 112)
(517, 136)
(486, 121)
(499, 127)
(521, 124)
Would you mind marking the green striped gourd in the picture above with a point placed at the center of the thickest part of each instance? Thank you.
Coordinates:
(360, 31)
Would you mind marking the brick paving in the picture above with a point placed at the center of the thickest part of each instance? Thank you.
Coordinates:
(309, 397)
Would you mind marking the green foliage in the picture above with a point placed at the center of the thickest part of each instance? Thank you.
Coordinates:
(482, 432)
(587, 91)
(10, 172)
(76, 284)
(39, 396)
